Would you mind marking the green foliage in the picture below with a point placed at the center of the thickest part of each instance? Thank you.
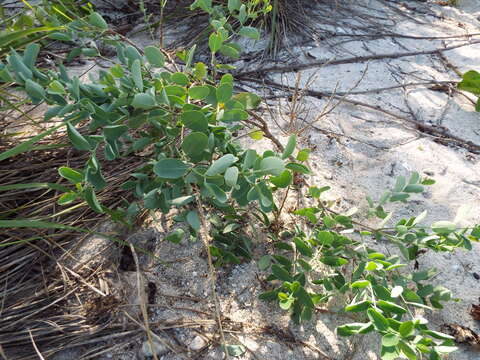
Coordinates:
(187, 118)
(231, 19)
(381, 297)
(471, 83)
(184, 124)
(48, 19)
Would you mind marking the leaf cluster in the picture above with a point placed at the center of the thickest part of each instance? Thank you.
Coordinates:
(333, 259)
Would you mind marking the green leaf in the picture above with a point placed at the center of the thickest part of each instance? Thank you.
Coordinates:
(236, 350)
(199, 92)
(143, 101)
(248, 100)
(256, 135)
(407, 350)
(170, 168)
(303, 296)
(98, 21)
(302, 247)
(231, 176)
(283, 180)
(390, 340)
(290, 147)
(230, 51)
(200, 70)
(470, 82)
(182, 200)
(268, 295)
(175, 236)
(154, 56)
(78, 141)
(333, 260)
(56, 87)
(360, 284)
(35, 185)
(437, 335)
(378, 320)
(35, 224)
(249, 31)
(303, 155)
(400, 184)
(444, 227)
(428, 182)
(113, 132)
(67, 198)
(193, 220)
(272, 165)
(92, 200)
(194, 145)
(234, 115)
(230, 227)
(30, 55)
(19, 67)
(195, 120)
(280, 273)
(217, 193)
(34, 90)
(180, 78)
(391, 307)
(358, 306)
(305, 265)
(9, 37)
(399, 197)
(354, 328)
(264, 262)
(242, 16)
(205, 5)
(389, 353)
(215, 42)
(71, 175)
(413, 188)
(299, 168)
(224, 92)
(219, 166)
(132, 54)
(234, 5)
(136, 70)
(316, 192)
(407, 328)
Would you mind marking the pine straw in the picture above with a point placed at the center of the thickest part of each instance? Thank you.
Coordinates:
(40, 298)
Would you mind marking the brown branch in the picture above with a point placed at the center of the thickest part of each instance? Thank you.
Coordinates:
(356, 59)
(441, 134)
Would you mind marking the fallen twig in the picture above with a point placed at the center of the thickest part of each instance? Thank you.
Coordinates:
(356, 59)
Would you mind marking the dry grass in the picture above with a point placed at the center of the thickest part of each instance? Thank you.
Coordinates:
(292, 21)
(42, 298)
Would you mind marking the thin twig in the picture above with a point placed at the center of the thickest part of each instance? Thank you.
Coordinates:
(205, 236)
(356, 59)
(142, 299)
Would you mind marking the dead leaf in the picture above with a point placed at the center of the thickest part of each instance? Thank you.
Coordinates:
(475, 312)
(462, 334)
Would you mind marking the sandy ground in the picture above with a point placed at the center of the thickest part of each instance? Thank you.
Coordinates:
(370, 150)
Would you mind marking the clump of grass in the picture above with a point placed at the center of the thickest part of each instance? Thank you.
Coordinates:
(284, 23)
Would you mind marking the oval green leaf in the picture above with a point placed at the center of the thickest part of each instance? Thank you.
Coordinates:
(170, 168)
